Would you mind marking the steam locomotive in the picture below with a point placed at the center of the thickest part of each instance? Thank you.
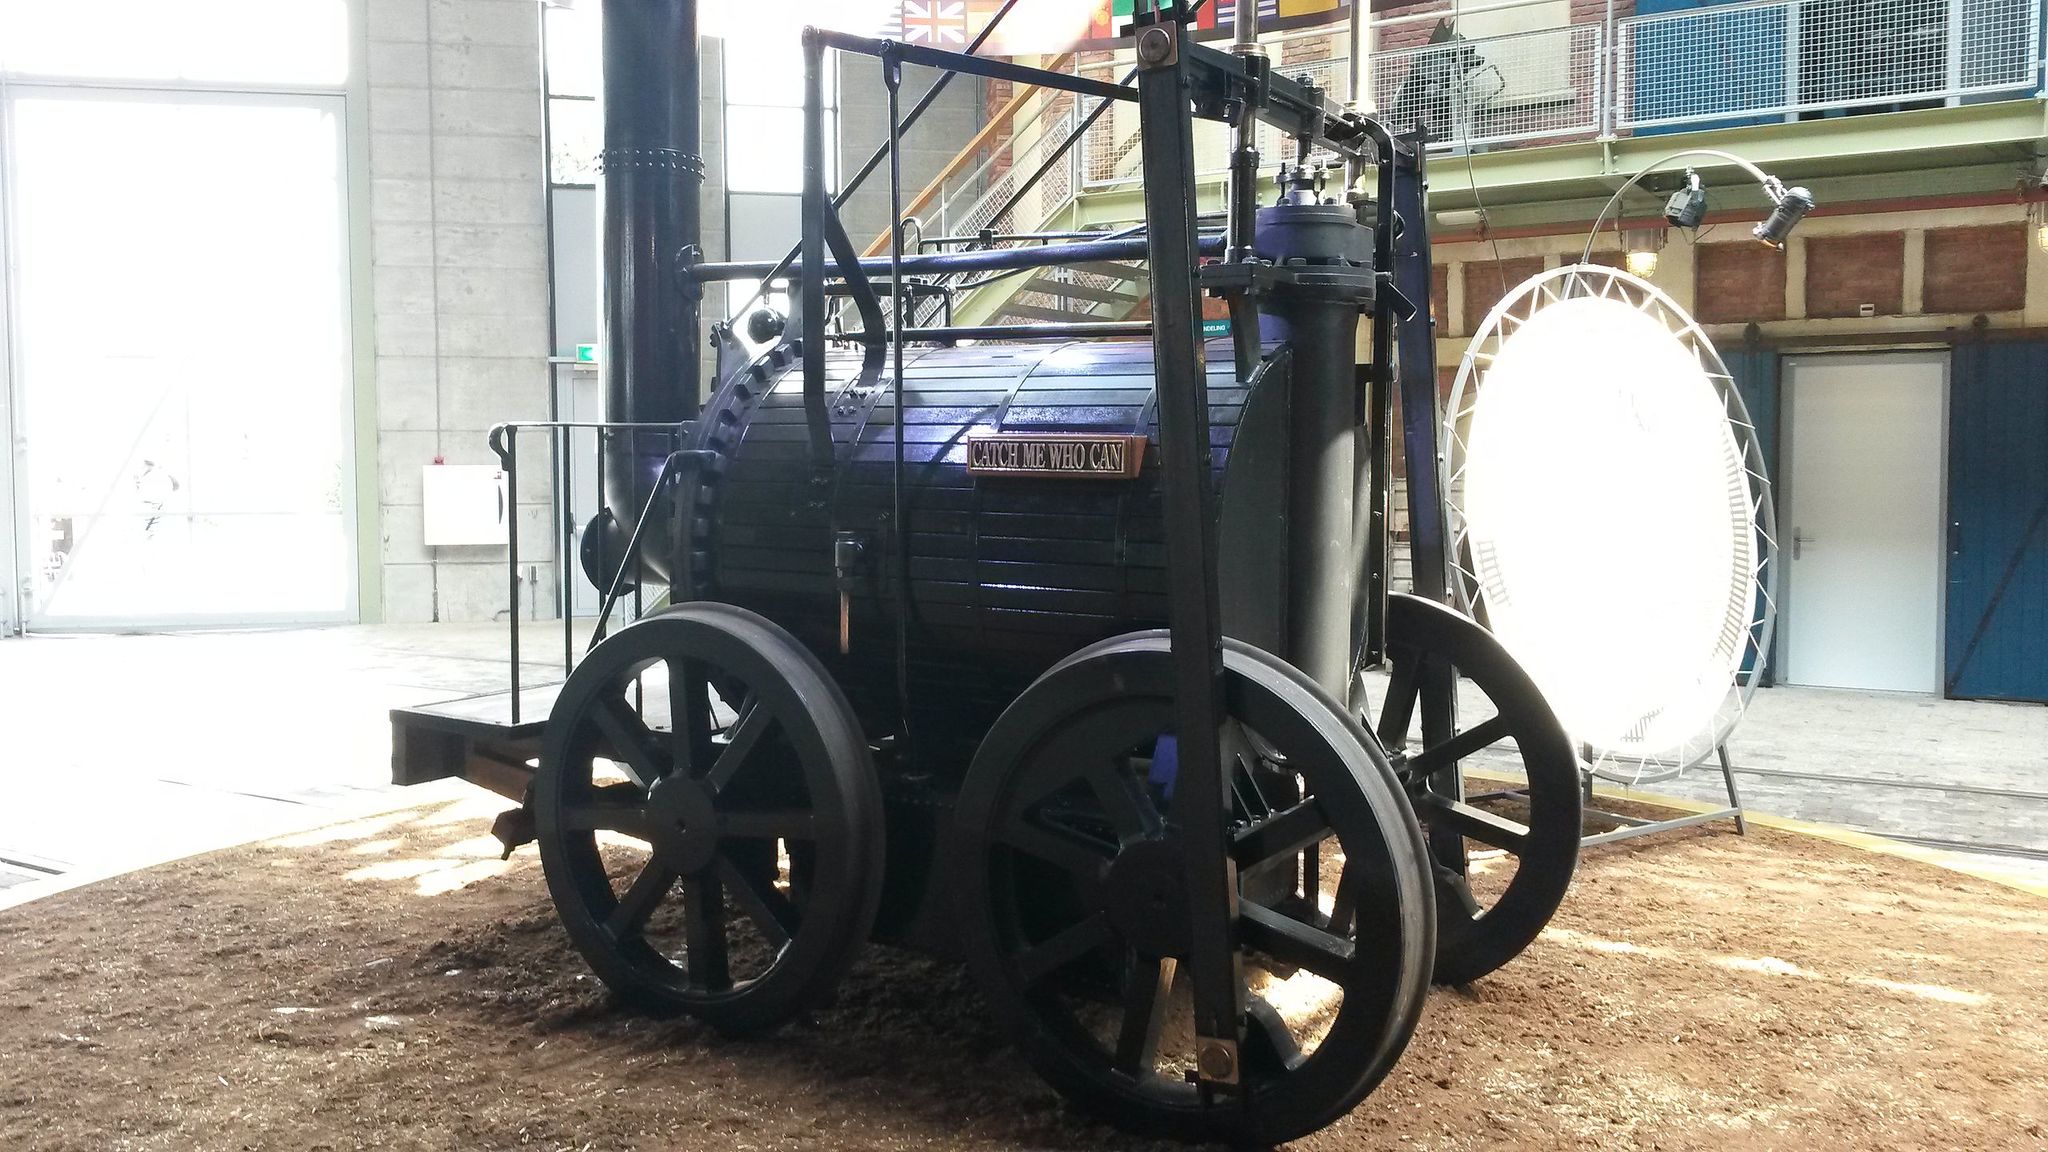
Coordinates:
(1038, 648)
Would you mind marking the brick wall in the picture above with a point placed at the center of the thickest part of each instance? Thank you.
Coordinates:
(1844, 273)
(1981, 269)
(1738, 283)
(1487, 281)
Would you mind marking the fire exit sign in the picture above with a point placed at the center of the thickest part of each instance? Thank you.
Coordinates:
(586, 353)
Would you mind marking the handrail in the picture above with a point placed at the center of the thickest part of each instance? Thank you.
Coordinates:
(1005, 117)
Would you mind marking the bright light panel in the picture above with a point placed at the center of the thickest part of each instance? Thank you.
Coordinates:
(251, 41)
(1609, 522)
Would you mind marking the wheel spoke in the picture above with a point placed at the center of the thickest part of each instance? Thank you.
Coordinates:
(1147, 995)
(689, 715)
(1130, 813)
(752, 722)
(1295, 829)
(1269, 1044)
(1455, 891)
(615, 808)
(641, 899)
(1475, 823)
(634, 748)
(1068, 850)
(1292, 942)
(1344, 901)
(1041, 960)
(762, 901)
(1433, 760)
(704, 932)
(1404, 688)
(778, 824)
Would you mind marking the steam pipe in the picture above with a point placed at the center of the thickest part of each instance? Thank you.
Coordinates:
(987, 260)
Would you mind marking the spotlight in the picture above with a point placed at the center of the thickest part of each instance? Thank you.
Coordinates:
(1687, 206)
(1792, 207)
(1642, 246)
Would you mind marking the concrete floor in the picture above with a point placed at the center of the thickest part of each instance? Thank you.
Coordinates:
(126, 750)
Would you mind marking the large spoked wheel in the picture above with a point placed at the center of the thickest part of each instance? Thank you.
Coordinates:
(1074, 906)
(709, 819)
(1502, 860)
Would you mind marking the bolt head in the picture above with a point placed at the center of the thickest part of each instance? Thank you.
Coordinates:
(1155, 45)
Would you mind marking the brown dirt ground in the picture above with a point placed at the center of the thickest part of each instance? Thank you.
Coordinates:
(387, 984)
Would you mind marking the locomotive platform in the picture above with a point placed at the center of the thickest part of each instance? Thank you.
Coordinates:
(390, 983)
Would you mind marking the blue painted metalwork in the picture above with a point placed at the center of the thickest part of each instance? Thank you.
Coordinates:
(1997, 643)
(1745, 66)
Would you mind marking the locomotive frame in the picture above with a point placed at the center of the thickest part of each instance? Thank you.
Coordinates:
(804, 796)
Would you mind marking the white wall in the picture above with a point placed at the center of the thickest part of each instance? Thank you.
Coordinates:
(459, 281)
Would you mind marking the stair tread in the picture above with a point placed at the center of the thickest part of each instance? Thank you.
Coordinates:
(1053, 287)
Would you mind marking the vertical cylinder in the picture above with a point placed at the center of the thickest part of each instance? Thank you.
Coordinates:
(652, 208)
(1322, 474)
(1323, 276)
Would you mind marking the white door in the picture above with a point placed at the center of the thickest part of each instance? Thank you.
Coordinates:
(1863, 529)
(181, 357)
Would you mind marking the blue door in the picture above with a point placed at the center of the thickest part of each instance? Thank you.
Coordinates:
(1997, 642)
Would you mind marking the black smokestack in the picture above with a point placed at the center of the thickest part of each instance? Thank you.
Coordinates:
(652, 190)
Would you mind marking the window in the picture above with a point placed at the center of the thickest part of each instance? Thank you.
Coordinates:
(764, 112)
(574, 80)
(220, 41)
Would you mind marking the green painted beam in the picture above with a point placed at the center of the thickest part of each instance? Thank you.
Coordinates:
(1842, 146)
(1972, 147)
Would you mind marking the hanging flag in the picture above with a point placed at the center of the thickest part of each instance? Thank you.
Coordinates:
(1033, 27)
(935, 23)
(1218, 18)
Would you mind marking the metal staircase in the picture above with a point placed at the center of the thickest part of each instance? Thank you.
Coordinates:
(1015, 184)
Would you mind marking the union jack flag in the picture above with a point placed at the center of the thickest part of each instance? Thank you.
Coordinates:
(939, 23)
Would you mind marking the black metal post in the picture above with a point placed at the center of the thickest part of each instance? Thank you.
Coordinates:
(1422, 418)
(899, 528)
(511, 463)
(1201, 801)
(811, 309)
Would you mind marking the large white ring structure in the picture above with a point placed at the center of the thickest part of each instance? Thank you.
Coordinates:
(1610, 516)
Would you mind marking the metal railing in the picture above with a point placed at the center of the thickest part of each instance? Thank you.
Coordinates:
(1489, 74)
(566, 440)
(1775, 59)
(1539, 84)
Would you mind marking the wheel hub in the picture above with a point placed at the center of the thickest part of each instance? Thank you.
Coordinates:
(685, 823)
(1146, 894)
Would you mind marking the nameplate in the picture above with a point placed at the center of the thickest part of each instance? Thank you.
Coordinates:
(1056, 455)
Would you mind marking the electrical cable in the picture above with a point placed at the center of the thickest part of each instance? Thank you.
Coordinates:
(1463, 123)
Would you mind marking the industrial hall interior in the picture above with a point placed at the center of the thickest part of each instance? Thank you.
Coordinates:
(1023, 575)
